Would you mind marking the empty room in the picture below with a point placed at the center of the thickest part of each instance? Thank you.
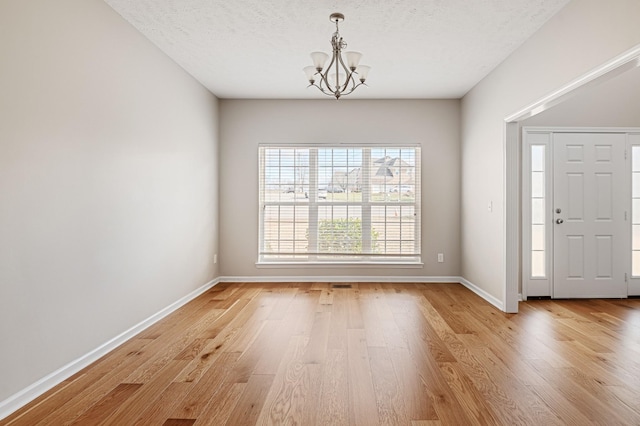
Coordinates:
(319, 213)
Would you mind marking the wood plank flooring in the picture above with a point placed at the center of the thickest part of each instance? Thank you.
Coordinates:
(374, 354)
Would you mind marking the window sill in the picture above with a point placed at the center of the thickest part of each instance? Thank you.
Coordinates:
(368, 265)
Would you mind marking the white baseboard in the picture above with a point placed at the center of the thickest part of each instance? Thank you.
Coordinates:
(480, 292)
(28, 394)
(340, 279)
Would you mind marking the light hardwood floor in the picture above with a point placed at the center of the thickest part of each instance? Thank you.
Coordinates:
(392, 354)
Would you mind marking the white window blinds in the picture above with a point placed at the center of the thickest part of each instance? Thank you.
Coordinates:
(339, 204)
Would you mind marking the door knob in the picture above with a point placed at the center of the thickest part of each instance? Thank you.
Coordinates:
(559, 221)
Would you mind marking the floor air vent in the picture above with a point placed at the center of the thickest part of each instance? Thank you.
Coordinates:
(341, 286)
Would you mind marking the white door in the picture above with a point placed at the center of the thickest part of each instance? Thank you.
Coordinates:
(590, 234)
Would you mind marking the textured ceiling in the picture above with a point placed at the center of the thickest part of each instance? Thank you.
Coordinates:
(416, 48)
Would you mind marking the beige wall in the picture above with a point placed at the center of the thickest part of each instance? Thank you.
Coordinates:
(434, 124)
(614, 103)
(585, 34)
(108, 183)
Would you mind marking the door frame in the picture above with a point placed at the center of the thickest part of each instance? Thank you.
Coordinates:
(543, 136)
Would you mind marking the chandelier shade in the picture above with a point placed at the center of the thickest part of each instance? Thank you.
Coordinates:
(319, 59)
(363, 72)
(311, 73)
(353, 59)
(343, 75)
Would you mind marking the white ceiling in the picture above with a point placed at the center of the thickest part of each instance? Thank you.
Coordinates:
(416, 48)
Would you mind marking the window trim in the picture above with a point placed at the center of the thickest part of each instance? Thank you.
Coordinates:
(368, 260)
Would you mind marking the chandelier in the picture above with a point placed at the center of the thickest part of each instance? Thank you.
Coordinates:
(338, 78)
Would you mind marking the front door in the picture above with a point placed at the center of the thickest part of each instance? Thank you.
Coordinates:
(590, 235)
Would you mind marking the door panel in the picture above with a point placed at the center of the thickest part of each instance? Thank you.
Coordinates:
(590, 230)
(575, 197)
(604, 256)
(575, 256)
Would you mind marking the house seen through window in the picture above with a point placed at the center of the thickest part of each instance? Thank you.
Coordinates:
(332, 204)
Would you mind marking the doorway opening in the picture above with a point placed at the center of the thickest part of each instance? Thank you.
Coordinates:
(512, 246)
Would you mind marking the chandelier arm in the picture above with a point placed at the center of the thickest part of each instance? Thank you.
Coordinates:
(328, 93)
(348, 75)
(337, 43)
(324, 81)
(354, 87)
(319, 88)
(338, 54)
(343, 89)
(325, 76)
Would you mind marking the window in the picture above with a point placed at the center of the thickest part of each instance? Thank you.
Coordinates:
(339, 204)
(537, 191)
(635, 211)
(538, 209)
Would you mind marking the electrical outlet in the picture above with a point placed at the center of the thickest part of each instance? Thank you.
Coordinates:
(440, 257)
(215, 259)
